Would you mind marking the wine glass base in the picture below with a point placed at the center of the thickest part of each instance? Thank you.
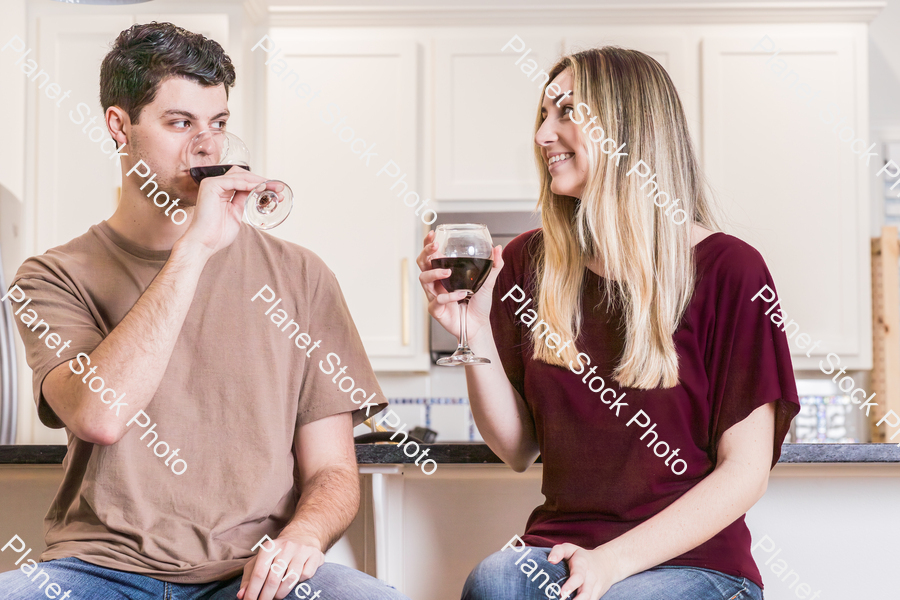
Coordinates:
(461, 359)
(266, 209)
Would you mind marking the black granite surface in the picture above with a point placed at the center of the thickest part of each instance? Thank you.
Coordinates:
(465, 453)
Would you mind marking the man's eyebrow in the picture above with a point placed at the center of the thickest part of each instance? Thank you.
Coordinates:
(189, 115)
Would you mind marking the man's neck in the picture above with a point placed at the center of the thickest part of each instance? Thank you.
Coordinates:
(142, 223)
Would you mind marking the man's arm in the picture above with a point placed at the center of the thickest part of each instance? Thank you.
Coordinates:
(329, 484)
(134, 356)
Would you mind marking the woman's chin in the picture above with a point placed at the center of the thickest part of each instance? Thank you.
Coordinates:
(564, 190)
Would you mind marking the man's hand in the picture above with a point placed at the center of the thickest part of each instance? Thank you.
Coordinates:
(591, 572)
(220, 206)
(329, 499)
(302, 555)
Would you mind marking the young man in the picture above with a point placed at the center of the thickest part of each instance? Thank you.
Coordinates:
(200, 421)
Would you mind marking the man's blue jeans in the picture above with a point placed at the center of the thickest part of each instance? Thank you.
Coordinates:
(499, 578)
(90, 582)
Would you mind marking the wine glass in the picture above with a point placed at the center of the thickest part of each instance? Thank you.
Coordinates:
(466, 250)
(213, 152)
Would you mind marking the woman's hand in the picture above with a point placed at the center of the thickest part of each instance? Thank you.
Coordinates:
(442, 304)
(591, 572)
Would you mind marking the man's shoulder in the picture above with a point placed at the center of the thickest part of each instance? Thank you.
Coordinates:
(283, 254)
(63, 260)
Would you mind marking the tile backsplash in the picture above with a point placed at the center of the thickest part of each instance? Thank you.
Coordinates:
(451, 418)
(827, 419)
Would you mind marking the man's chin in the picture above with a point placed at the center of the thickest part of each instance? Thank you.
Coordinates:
(186, 201)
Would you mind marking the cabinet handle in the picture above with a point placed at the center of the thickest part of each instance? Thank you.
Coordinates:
(404, 300)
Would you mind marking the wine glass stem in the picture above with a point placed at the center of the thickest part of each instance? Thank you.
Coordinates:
(463, 338)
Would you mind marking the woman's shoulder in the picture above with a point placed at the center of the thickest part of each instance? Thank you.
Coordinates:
(729, 259)
(522, 248)
(519, 257)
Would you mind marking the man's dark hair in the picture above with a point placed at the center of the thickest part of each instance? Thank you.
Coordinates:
(144, 55)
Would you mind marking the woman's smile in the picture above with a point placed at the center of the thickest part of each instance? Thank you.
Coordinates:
(556, 159)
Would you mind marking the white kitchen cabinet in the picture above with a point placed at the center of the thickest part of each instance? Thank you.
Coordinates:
(75, 182)
(786, 182)
(361, 92)
(486, 103)
(485, 106)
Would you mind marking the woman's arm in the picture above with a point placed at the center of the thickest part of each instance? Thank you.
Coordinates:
(737, 483)
(504, 420)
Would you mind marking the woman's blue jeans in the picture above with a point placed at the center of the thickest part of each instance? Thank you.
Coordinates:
(90, 582)
(498, 578)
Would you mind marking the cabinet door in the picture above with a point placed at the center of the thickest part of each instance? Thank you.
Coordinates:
(74, 181)
(360, 93)
(786, 182)
(485, 106)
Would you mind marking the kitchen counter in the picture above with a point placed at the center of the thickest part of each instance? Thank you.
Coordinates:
(468, 453)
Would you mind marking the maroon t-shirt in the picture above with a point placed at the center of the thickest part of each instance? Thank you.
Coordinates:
(600, 478)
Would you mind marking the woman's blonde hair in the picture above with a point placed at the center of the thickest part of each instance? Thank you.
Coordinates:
(647, 256)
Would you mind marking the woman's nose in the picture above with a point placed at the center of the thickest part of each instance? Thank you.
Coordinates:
(545, 134)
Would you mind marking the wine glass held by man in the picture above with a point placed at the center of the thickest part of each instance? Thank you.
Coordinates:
(655, 391)
(215, 152)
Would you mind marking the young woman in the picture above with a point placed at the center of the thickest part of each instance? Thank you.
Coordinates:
(627, 350)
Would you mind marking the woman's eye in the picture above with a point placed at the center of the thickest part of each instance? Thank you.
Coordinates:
(567, 111)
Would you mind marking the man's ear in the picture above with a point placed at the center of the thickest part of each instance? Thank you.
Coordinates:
(119, 124)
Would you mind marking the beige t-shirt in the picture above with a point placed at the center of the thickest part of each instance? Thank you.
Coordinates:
(235, 389)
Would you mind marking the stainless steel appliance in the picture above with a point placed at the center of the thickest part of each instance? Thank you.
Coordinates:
(504, 226)
(7, 369)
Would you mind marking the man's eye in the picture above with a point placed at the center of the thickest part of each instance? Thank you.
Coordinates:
(221, 125)
(177, 123)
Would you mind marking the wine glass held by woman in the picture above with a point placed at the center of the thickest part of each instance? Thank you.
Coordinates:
(639, 312)
(442, 305)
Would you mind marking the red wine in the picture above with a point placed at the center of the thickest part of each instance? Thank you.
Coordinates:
(201, 173)
(465, 273)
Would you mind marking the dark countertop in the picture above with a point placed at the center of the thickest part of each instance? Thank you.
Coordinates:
(466, 453)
